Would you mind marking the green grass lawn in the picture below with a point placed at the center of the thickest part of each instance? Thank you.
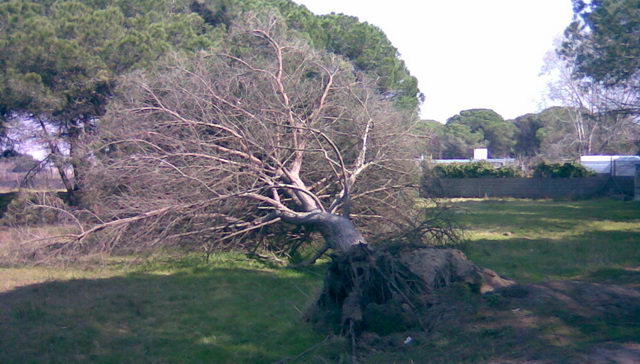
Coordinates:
(235, 310)
(533, 241)
(230, 310)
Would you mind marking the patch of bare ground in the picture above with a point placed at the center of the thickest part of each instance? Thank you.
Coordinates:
(582, 317)
(552, 322)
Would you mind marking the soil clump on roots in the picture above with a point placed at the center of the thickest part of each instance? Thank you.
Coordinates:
(390, 289)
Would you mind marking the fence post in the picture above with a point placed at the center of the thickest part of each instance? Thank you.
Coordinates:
(636, 184)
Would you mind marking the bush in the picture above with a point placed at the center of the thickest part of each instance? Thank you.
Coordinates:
(561, 170)
(22, 210)
(472, 170)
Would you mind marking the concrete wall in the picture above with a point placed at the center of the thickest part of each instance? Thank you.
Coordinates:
(556, 188)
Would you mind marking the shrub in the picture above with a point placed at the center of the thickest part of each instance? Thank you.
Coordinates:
(472, 170)
(22, 210)
(561, 170)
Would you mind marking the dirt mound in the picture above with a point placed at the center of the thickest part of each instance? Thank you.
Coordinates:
(390, 289)
(577, 320)
(551, 322)
(582, 299)
(442, 267)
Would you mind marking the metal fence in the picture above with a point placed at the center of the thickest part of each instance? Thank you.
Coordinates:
(613, 165)
(555, 188)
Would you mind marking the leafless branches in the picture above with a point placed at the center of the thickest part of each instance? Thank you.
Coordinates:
(219, 147)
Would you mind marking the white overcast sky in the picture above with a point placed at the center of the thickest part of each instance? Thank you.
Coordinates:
(467, 53)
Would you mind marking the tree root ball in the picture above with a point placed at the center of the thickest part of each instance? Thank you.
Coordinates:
(389, 289)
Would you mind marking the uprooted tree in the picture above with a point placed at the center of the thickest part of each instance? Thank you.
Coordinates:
(223, 147)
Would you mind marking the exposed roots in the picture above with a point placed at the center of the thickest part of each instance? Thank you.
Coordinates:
(390, 289)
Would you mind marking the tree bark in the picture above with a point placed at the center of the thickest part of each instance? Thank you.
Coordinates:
(79, 165)
(338, 231)
(57, 158)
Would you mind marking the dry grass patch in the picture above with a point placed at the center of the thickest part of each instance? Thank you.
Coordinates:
(19, 244)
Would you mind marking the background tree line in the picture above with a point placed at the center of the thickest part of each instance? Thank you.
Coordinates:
(62, 60)
(555, 133)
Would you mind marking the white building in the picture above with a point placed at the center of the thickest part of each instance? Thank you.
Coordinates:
(479, 154)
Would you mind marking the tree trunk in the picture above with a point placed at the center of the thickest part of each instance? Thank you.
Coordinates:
(79, 166)
(58, 161)
(338, 231)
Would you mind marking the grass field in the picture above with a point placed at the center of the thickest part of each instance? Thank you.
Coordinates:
(235, 310)
(230, 310)
(534, 241)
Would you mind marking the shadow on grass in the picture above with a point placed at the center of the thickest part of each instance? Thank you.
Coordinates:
(205, 315)
(630, 276)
